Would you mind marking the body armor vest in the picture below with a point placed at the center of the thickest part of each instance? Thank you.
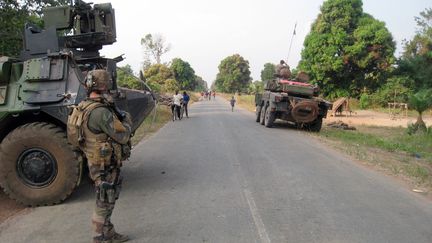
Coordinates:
(98, 148)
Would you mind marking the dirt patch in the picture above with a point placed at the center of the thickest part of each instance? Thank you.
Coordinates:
(8, 207)
(374, 118)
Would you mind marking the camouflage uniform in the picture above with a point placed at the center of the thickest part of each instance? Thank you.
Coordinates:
(104, 123)
(106, 143)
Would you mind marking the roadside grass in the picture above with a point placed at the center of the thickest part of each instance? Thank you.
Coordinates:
(163, 115)
(148, 127)
(389, 148)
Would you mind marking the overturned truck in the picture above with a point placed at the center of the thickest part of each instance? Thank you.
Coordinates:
(292, 101)
(37, 164)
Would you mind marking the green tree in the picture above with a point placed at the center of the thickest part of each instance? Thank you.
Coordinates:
(154, 47)
(397, 89)
(127, 79)
(234, 74)
(347, 50)
(256, 87)
(156, 76)
(201, 84)
(416, 60)
(171, 85)
(13, 16)
(268, 72)
(421, 101)
(183, 73)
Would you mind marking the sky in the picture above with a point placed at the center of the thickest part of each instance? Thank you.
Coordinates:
(204, 32)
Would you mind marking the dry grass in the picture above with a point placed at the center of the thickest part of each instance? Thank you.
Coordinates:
(152, 123)
(245, 101)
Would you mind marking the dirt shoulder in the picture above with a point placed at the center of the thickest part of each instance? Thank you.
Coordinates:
(375, 118)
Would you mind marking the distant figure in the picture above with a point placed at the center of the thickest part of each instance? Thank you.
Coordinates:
(232, 102)
(282, 70)
(186, 99)
(214, 94)
(209, 94)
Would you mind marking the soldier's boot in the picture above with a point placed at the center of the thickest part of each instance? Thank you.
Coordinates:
(116, 238)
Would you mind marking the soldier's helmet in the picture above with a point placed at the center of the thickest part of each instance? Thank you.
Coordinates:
(98, 80)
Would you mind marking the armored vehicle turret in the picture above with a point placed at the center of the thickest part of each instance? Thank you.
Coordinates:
(37, 164)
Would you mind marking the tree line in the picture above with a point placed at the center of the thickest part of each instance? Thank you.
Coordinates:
(347, 53)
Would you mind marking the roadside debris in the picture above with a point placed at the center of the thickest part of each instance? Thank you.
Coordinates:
(418, 191)
(340, 125)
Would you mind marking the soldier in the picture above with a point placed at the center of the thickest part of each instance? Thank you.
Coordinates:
(104, 137)
(282, 70)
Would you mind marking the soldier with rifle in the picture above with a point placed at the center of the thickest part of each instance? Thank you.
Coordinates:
(103, 133)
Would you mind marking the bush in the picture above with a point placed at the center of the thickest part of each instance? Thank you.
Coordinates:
(397, 89)
(364, 101)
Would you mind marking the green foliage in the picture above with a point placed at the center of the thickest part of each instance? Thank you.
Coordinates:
(234, 74)
(268, 72)
(256, 87)
(396, 89)
(184, 74)
(421, 101)
(13, 16)
(416, 61)
(201, 85)
(347, 49)
(126, 78)
(156, 75)
(364, 101)
(171, 85)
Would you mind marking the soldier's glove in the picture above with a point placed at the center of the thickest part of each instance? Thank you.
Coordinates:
(127, 118)
(126, 151)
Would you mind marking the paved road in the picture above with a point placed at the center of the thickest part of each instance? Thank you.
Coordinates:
(220, 177)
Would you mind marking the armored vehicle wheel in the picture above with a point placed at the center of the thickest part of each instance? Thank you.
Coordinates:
(258, 113)
(38, 166)
(269, 118)
(262, 115)
(316, 125)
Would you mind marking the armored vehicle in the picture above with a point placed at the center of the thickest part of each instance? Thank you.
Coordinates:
(292, 101)
(37, 164)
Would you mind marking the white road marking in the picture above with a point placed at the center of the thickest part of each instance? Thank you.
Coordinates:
(256, 217)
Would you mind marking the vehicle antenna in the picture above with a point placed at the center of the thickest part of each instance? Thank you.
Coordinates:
(292, 37)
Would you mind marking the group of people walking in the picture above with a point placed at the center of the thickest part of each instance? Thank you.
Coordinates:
(180, 104)
(208, 94)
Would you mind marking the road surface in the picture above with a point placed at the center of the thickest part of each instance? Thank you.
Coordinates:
(220, 177)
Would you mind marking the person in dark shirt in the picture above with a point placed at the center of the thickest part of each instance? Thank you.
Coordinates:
(186, 99)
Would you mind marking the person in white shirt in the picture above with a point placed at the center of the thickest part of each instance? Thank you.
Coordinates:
(177, 99)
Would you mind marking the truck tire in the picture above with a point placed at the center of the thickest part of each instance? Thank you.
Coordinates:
(269, 118)
(262, 114)
(316, 125)
(38, 165)
(257, 113)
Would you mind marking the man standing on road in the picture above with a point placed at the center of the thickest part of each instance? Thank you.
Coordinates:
(232, 102)
(104, 137)
(177, 99)
(186, 99)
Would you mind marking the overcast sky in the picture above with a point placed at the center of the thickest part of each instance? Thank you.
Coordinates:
(204, 32)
